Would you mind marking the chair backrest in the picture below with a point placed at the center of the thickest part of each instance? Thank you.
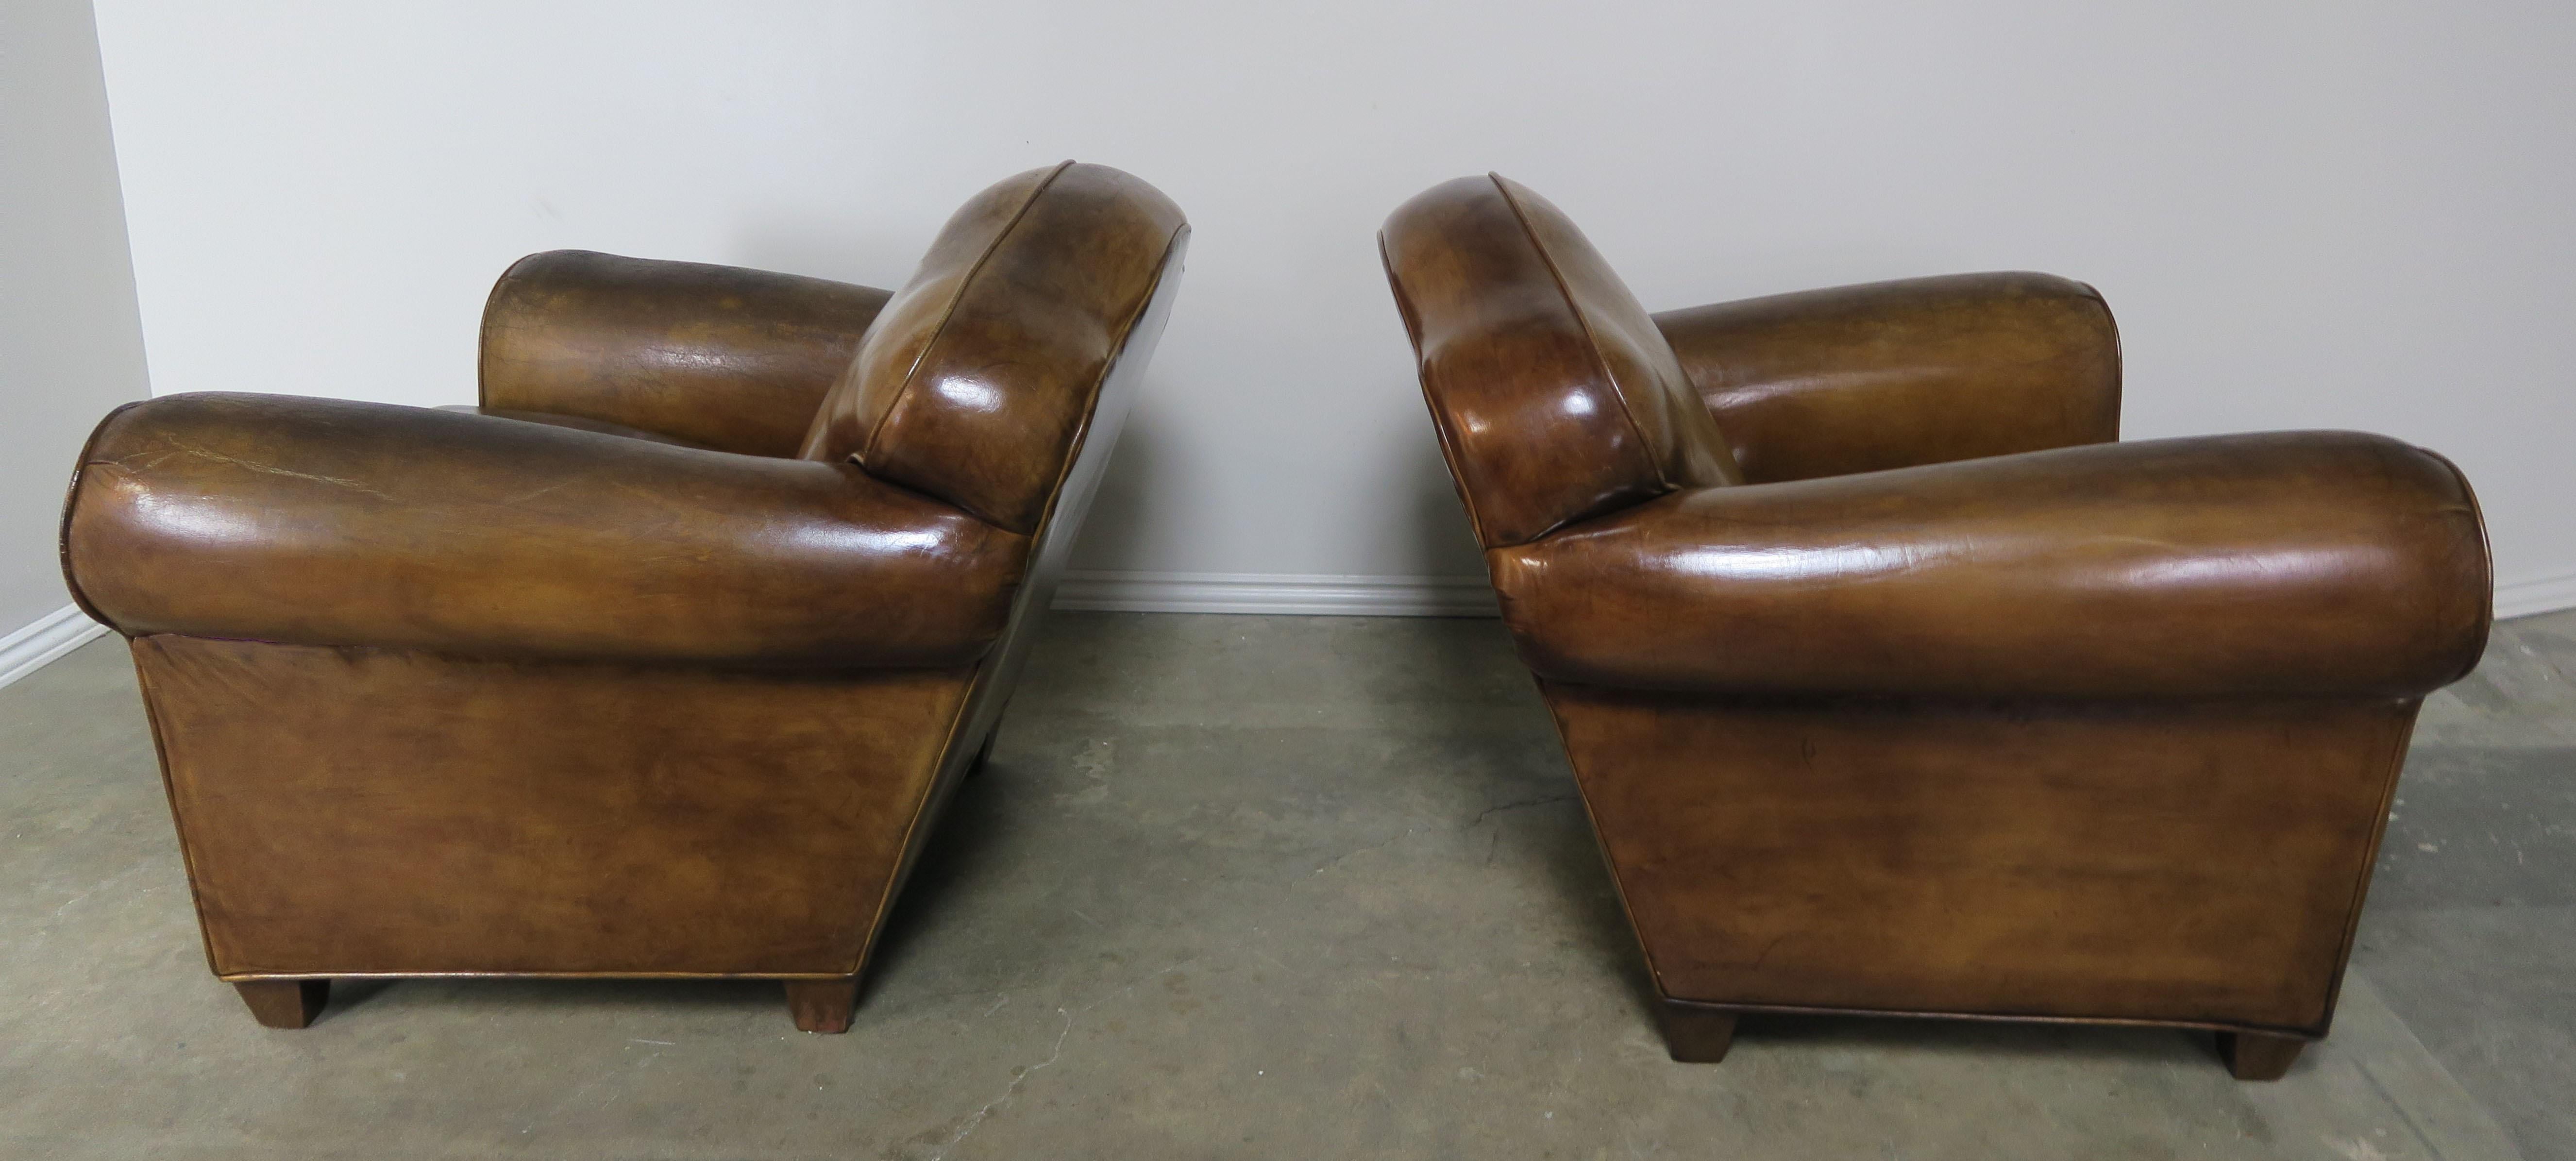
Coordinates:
(1556, 396)
(978, 381)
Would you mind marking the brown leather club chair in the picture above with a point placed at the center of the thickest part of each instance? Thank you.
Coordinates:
(663, 660)
(1893, 685)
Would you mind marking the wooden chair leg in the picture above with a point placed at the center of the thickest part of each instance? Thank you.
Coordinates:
(1693, 1034)
(2256, 1056)
(823, 1005)
(284, 1003)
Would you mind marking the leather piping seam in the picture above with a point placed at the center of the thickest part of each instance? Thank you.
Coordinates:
(988, 668)
(957, 722)
(2310, 1035)
(1422, 374)
(1591, 340)
(255, 975)
(1600, 837)
(2486, 560)
(170, 794)
(2369, 863)
(2119, 367)
(1117, 351)
(868, 447)
(71, 501)
(483, 332)
(728, 666)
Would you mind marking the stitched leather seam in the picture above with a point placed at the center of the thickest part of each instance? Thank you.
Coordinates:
(1422, 373)
(2396, 765)
(483, 333)
(2486, 554)
(71, 501)
(868, 447)
(988, 666)
(2119, 371)
(1583, 794)
(170, 794)
(958, 719)
(1591, 341)
(1117, 351)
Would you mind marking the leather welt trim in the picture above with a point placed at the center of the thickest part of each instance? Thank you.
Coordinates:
(868, 447)
(1591, 340)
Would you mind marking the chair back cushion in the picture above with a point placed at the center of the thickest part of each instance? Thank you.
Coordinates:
(1556, 396)
(977, 382)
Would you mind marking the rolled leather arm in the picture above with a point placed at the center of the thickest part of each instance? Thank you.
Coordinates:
(716, 355)
(323, 522)
(2295, 564)
(1899, 374)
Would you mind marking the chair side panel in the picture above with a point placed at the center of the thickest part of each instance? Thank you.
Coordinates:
(2197, 864)
(360, 811)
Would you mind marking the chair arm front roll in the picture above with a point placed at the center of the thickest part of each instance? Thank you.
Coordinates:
(323, 522)
(2294, 564)
(1900, 374)
(717, 355)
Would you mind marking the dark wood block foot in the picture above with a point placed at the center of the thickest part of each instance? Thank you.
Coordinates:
(2255, 1056)
(284, 1003)
(823, 1005)
(1693, 1034)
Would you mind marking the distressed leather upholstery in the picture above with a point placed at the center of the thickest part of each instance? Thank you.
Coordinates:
(639, 666)
(1892, 683)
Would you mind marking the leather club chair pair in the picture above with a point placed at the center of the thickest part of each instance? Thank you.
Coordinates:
(1893, 685)
(663, 660)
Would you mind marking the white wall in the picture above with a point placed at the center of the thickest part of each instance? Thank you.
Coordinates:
(70, 348)
(2307, 215)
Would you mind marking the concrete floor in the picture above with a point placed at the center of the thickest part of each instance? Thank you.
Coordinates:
(1244, 886)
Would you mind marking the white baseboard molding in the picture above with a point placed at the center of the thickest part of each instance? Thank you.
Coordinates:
(53, 635)
(65, 629)
(2544, 595)
(1426, 596)
(1314, 595)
